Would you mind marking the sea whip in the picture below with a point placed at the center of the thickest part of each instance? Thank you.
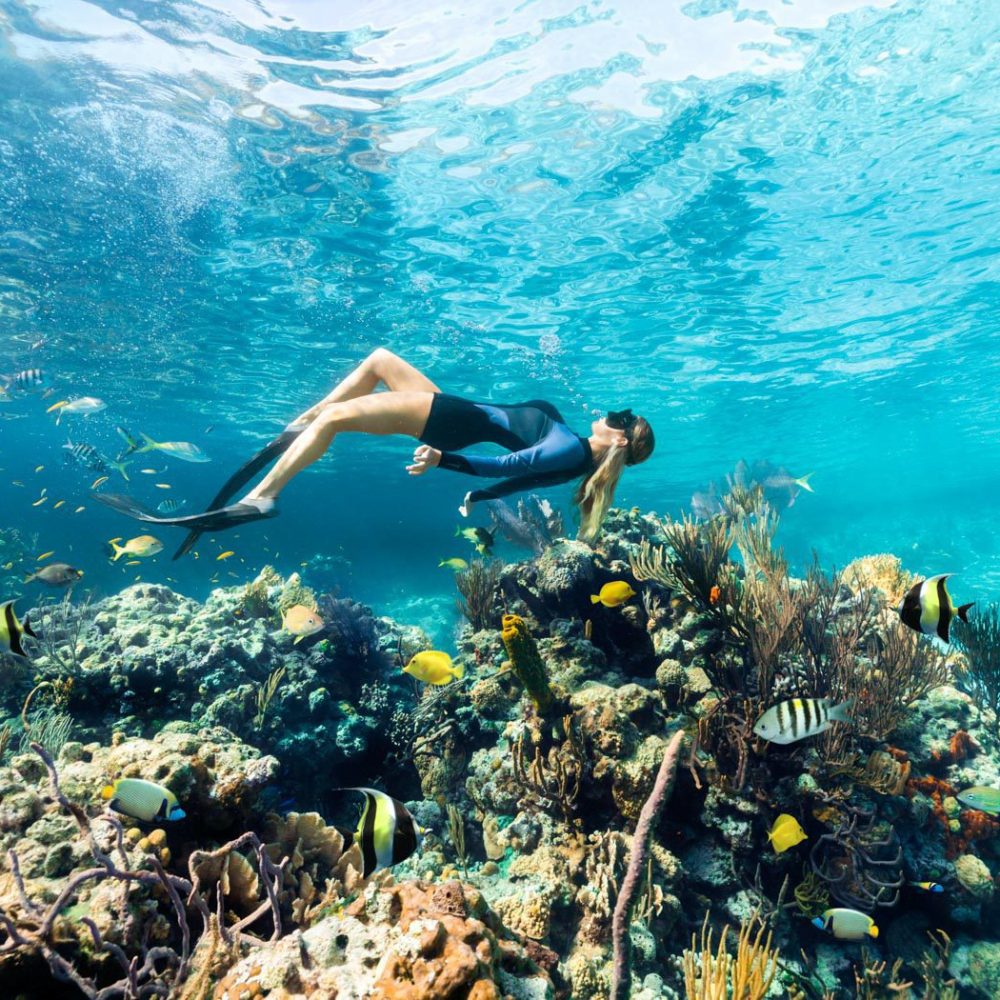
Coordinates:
(662, 788)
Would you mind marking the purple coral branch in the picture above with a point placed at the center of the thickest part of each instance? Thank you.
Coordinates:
(650, 813)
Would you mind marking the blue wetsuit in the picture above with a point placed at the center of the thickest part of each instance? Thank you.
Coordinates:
(544, 451)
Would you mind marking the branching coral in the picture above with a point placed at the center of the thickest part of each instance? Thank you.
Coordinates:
(715, 975)
(479, 586)
(551, 779)
(61, 632)
(980, 677)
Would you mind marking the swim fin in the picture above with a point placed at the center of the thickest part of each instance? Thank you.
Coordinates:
(240, 478)
(209, 520)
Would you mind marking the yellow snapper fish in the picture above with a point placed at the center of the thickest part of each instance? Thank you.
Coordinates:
(612, 594)
(142, 799)
(790, 721)
(387, 833)
(434, 667)
(785, 833)
(11, 631)
(454, 564)
(141, 546)
(927, 607)
(183, 450)
(846, 925)
(83, 406)
(301, 622)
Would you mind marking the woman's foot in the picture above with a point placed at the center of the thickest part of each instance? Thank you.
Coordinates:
(467, 505)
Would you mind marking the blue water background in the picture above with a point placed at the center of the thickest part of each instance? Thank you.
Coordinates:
(773, 229)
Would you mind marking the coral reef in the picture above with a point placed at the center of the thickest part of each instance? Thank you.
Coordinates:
(546, 868)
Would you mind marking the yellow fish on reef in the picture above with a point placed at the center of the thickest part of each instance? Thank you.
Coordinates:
(846, 925)
(612, 594)
(224, 555)
(434, 667)
(301, 622)
(99, 481)
(454, 564)
(140, 546)
(785, 833)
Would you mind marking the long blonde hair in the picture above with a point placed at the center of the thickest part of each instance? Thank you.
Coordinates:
(596, 491)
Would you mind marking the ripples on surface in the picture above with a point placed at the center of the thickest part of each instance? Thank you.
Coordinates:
(772, 227)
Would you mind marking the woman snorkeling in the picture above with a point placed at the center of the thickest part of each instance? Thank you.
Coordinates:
(543, 450)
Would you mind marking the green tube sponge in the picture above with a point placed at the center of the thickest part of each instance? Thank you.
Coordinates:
(527, 663)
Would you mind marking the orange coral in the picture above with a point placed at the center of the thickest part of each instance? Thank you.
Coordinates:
(960, 746)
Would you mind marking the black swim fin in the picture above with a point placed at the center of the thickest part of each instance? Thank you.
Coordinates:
(209, 520)
(240, 478)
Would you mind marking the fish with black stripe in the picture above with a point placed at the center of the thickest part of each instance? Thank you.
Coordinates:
(927, 607)
(30, 378)
(387, 833)
(85, 455)
(12, 631)
(799, 718)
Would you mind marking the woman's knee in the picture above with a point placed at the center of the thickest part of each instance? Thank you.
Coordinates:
(379, 359)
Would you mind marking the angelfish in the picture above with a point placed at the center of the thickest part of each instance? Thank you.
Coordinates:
(846, 925)
(387, 833)
(927, 607)
(142, 799)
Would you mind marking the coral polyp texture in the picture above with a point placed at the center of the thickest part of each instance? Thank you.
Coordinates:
(586, 809)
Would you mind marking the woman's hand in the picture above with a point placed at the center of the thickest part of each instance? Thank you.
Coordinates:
(424, 458)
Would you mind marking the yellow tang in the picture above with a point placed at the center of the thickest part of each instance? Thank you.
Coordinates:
(142, 799)
(301, 622)
(434, 667)
(612, 594)
(785, 833)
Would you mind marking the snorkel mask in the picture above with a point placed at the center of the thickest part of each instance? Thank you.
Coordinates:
(621, 420)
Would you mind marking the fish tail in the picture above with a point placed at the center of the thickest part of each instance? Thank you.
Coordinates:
(595, 599)
(839, 713)
(873, 930)
(458, 671)
(28, 579)
(148, 444)
(803, 481)
(120, 468)
(117, 550)
(458, 532)
(107, 791)
(963, 611)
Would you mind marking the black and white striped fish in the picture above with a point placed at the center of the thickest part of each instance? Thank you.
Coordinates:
(170, 506)
(790, 721)
(86, 455)
(12, 631)
(30, 378)
(927, 607)
(387, 833)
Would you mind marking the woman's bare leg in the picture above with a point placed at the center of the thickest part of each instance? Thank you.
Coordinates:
(395, 412)
(380, 367)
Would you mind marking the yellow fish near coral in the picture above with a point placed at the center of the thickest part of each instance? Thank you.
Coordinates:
(434, 667)
(846, 925)
(612, 594)
(301, 621)
(785, 833)
(455, 564)
(140, 546)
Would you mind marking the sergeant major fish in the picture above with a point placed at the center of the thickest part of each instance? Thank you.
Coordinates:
(790, 721)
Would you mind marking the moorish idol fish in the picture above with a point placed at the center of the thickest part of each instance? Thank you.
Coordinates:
(387, 833)
(927, 607)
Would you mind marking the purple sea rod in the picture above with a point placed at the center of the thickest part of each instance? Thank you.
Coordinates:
(662, 788)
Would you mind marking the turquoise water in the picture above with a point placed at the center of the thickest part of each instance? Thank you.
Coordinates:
(772, 228)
